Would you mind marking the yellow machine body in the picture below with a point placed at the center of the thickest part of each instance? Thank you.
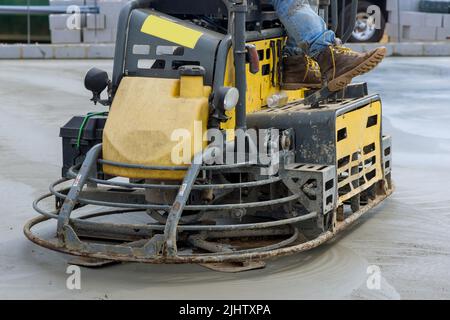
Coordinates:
(144, 115)
(171, 31)
(146, 111)
(260, 86)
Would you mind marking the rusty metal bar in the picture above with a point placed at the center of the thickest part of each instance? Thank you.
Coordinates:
(236, 257)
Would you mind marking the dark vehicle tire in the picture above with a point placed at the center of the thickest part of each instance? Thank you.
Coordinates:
(365, 28)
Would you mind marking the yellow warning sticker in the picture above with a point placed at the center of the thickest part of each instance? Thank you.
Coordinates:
(171, 31)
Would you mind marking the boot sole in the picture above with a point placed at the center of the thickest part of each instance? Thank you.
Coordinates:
(344, 80)
(298, 86)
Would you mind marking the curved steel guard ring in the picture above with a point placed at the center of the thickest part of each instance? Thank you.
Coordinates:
(167, 243)
(208, 258)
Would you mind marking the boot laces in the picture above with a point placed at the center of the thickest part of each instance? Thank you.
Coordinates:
(311, 65)
(339, 50)
(310, 62)
(343, 50)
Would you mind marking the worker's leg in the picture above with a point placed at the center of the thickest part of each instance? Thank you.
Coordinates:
(306, 29)
(300, 71)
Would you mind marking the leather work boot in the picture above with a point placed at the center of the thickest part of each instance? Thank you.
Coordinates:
(300, 71)
(339, 65)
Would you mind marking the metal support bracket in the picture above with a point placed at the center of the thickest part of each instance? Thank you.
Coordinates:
(170, 230)
(387, 155)
(89, 166)
(352, 91)
(316, 185)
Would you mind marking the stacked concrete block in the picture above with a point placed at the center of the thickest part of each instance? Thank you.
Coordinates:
(444, 32)
(96, 29)
(402, 5)
(93, 28)
(60, 30)
(102, 27)
(446, 21)
(65, 36)
(396, 8)
(95, 21)
(406, 23)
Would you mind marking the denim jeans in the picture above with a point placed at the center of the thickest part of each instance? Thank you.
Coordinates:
(307, 32)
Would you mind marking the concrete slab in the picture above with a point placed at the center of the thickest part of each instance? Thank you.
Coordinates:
(106, 50)
(411, 18)
(95, 21)
(65, 36)
(10, 52)
(420, 33)
(443, 34)
(407, 237)
(433, 20)
(404, 5)
(70, 52)
(409, 49)
(98, 36)
(37, 52)
(446, 21)
(436, 50)
(60, 51)
(100, 51)
(58, 21)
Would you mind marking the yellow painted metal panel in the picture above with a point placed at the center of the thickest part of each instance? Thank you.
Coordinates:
(259, 86)
(171, 31)
(359, 137)
(144, 114)
(191, 86)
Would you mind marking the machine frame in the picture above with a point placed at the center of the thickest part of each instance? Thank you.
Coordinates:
(188, 238)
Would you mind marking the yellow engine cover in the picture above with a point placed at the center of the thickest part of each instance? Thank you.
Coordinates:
(144, 114)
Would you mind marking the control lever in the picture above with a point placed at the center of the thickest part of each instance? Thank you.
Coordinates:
(253, 58)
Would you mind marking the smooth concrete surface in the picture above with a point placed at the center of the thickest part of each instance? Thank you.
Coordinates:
(407, 237)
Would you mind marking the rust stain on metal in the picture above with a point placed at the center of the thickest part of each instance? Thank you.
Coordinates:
(205, 258)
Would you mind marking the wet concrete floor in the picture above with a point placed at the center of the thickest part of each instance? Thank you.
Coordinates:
(407, 237)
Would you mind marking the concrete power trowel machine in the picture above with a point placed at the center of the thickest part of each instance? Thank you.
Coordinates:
(274, 172)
